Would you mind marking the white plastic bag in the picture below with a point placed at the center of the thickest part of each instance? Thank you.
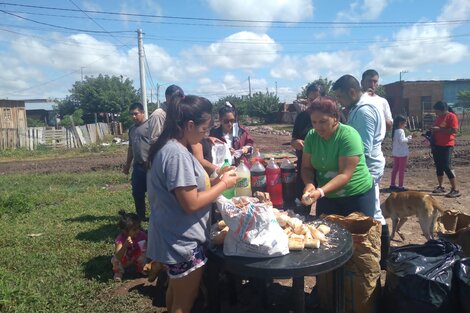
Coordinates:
(220, 151)
(254, 231)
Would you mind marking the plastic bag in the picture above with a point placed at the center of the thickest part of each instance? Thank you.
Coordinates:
(462, 272)
(419, 278)
(253, 229)
(220, 151)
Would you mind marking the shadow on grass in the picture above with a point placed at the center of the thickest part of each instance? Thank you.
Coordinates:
(99, 268)
(92, 218)
(105, 233)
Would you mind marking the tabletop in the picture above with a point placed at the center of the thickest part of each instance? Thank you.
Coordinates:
(306, 262)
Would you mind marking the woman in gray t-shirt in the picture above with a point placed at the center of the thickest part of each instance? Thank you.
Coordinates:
(180, 196)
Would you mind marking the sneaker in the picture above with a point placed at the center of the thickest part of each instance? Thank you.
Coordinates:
(392, 188)
(117, 277)
(400, 189)
(453, 194)
(439, 189)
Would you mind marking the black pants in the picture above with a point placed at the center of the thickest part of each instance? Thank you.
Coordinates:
(443, 160)
(139, 188)
(364, 203)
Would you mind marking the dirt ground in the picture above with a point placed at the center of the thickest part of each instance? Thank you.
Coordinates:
(420, 176)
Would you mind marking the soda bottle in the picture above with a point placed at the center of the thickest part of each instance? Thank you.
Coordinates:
(273, 183)
(255, 156)
(243, 186)
(258, 177)
(230, 192)
(288, 182)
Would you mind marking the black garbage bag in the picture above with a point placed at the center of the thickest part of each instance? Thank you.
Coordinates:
(462, 272)
(419, 278)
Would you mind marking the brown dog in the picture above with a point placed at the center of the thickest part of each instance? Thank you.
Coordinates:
(400, 205)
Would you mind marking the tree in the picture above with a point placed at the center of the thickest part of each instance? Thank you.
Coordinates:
(76, 116)
(99, 94)
(240, 104)
(463, 98)
(325, 82)
(264, 106)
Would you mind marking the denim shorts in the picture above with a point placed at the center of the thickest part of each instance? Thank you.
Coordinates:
(178, 270)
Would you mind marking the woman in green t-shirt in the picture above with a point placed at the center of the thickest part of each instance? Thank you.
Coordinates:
(335, 151)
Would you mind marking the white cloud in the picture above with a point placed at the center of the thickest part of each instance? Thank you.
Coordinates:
(422, 44)
(71, 55)
(263, 10)
(361, 10)
(455, 10)
(245, 50)
(326, 64)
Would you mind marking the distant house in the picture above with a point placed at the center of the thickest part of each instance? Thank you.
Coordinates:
(416, 98)
(12, 114)
(41, 110)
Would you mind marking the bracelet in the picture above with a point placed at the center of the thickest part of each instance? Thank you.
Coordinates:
(322, 193)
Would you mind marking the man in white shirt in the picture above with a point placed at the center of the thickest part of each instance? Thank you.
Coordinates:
(369, 84)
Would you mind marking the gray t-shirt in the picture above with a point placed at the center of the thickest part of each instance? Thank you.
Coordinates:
(157, 122)
(139, 142)
(173, 234)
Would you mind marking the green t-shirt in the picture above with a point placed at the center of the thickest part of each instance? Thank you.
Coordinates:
(325, 159)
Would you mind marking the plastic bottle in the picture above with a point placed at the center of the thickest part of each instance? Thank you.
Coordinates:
(288, 182)
(243, 186)
(255, 156)
(258, 177)
(273, 183)
(230, 192)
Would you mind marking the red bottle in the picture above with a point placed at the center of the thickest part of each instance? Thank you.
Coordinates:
(273, 183)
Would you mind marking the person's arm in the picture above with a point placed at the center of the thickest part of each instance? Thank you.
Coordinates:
(297, 142)
(193, 200)
(402, 138)
(307, 172)
(127, 165)
(121, 248)
(199, 155)
(388, 115)
(347, 166)
(364, 123)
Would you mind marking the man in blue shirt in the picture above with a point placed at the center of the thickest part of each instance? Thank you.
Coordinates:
(369, 121)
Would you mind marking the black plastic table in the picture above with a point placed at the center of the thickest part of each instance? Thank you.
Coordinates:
(296, 264)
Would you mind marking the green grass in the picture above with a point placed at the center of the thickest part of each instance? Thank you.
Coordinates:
(43, 152)
(67, 268)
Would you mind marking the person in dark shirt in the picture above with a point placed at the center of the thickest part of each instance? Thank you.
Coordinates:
(302, 125)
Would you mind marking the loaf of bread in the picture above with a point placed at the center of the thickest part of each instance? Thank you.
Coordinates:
(296, 242)
(325, 229)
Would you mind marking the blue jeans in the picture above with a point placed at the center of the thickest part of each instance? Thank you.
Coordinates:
(139, 188)
(364, 203)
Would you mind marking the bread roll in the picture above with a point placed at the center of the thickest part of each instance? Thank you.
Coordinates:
(306, 199)
(294, 222)
(296, 242)
(316, 234)
(221, 224)
(312, 243)
(325, 229)
(282, 220)
(220, 237)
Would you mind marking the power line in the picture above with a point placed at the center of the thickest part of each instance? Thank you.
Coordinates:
(62, 27)
(241, 20)
(326, 26)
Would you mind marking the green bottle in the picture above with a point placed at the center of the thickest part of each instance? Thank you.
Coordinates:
(228, 193)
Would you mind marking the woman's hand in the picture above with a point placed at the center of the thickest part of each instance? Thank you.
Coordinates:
(297, 144)
(308, 197)
(224, 170)
(245, 149)
(229, 178)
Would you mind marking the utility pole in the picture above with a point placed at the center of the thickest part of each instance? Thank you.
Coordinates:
(249, 87)
(276, 88)
(158, 95)
(81, 71)
(403, 72)
(143, 89)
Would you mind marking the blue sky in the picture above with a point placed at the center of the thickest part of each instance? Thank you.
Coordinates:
(211, 47)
